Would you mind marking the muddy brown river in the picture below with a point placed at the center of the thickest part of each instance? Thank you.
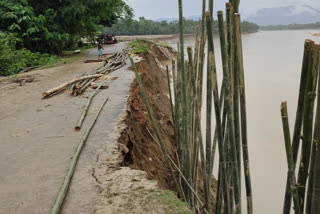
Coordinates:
(272, 61)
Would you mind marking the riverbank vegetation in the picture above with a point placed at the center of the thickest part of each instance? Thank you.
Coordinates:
(144, 26)
(292, 27)
(35, 32)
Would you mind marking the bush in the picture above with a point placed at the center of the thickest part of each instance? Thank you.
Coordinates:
(12, 61)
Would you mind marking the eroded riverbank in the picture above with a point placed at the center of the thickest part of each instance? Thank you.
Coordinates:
(38, 141)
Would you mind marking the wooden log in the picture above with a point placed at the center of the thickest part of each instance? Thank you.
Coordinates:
(70, 82)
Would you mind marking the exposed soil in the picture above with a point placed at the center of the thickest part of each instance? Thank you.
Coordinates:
(139, 136)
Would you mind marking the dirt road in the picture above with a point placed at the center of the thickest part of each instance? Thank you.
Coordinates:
(37, 138)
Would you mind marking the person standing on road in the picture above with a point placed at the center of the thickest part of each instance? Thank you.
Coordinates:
(100, 48)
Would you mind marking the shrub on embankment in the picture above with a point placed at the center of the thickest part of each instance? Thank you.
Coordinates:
(12, 61)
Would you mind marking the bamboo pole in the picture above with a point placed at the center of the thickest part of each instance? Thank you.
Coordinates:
(236, 98)
(298, 121)
(243, 115)
(229, 112)
(70, 82)
(170, 94)
(169, 160)
(85, 86)
(235, 4)
(86, 108)
(315, 206)
(184, 135)
(178, 169)
(67, 180)
(291, 170)
(212, 68)
(315, 70)
(211, 8)
(307, 131)
(154, 124)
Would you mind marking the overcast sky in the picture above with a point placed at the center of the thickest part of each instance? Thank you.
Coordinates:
(154, 9)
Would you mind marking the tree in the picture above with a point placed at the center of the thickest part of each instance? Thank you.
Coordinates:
(52, 26)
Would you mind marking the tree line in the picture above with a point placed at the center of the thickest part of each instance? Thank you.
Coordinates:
(144, 26)
(293, 26)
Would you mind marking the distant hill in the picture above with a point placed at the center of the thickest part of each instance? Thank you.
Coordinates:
(298, 14)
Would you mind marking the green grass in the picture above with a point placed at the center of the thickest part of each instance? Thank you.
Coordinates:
(164, 45)
(83, 48)
(9, 65)
(139, 46)
(172, 203)
(62, 60)
(68, 56)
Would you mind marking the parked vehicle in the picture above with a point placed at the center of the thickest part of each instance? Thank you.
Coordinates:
(107, 38)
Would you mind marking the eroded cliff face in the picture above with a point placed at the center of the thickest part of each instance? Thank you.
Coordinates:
(139, 178)
(133, 177)
(143, 151)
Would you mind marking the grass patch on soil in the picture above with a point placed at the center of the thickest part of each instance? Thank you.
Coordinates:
(164, 45)
(172, 203)
(139, 46)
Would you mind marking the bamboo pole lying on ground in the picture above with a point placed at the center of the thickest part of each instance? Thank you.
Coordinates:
(85, 86)
(67, 180)
(291, 170)
(70, 82)
(86, 108)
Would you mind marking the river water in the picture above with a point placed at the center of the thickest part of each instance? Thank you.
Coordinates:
(272, 61)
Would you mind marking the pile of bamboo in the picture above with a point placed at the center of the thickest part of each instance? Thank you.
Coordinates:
(79, 85)
(305, 187)
(113, 63)
(229, 107)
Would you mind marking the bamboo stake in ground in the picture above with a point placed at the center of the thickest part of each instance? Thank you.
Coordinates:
(291, 173)
(62, 86)
(298, 122)
(169, 160)
(217, 108)
(170, 94)
(315, 207)
(243, 111)
(154, 124)
(67, 180)
(307, 129)
(313, 141)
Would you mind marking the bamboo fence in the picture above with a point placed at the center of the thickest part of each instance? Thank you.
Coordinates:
(304, 191)
(227, 103)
